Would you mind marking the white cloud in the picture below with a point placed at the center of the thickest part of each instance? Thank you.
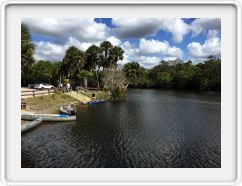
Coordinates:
(80, 45)
(115, 41)
(149, 52)
(55, 52)
(211, 46)
(177, 27)
(158, 47)
(212, 34)
(84, 30)
(147, 61)
(169, 58)
(203, 24)
(129, 49)
(141, 27)
(153, 46)
(48, 51)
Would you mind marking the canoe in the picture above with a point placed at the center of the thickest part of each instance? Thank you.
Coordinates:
(48, 117)
(96, 102)
(30, 125)
(68, 111)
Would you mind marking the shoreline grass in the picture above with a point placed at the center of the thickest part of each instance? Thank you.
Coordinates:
(48, 104)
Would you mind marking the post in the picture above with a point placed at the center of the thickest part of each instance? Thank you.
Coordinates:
(33, 92)
(48, 91)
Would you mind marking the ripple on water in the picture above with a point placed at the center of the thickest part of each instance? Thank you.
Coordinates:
(150, 128)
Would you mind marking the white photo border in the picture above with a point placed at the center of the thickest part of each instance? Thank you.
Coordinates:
(3, 94)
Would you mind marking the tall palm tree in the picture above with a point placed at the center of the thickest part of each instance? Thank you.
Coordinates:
(93, 60)
(73, 61)
(105, 48)
(27, 51)
(116, 55)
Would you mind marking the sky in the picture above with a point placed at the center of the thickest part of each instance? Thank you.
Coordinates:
(144, 40)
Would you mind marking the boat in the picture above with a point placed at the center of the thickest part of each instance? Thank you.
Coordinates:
(99, 101)
(48, 117)
(69, 110)
(30, 125)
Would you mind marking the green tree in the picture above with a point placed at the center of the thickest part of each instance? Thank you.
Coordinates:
(73, 62)
(183, 76)
(211, 74)
(84, 75)
(93, 61)
(164, 79)
(135, 74)
(106, 57)
(116, 54)
(27, 60)
(44, 71)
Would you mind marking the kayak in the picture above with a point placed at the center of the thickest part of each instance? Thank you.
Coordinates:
(30, 125)
(99, 101)
(48, 117)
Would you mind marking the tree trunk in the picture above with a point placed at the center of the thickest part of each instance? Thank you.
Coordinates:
(97, 79)
(85, 83)
(112, 75)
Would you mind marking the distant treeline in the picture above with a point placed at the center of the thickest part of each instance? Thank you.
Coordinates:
(97, 67)
(176, 75)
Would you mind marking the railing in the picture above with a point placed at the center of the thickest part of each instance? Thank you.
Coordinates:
(36, 92)
(45, 92)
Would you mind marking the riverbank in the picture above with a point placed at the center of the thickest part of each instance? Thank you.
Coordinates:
(48, 104)
(51, 104)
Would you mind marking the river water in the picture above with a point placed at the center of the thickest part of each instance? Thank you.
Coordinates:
(151, 128)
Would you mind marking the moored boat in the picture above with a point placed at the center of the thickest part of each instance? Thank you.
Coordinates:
(69, 110)
(30, 125)
(48, 117)
(98, 101)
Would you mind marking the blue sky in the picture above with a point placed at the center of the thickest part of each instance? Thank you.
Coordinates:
(144, 40)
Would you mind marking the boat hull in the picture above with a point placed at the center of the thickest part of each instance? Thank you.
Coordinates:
(48, 117)
(31, 125)
(96, 102)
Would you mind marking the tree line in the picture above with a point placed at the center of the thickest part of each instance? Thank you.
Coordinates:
(176, 75)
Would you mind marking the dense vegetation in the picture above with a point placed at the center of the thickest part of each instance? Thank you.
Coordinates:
(27, 60)
(97, 67)
(177, 75)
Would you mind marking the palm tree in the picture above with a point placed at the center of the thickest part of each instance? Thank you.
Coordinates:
(27, 50)
(105, 48)
(116, 55)
(131, 70)
(93, 61)
(73, 61)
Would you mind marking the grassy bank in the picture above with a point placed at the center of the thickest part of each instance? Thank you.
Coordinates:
(99, 94)
(51, 104)
(48, 104)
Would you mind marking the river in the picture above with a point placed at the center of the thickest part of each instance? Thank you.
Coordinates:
(151, 128)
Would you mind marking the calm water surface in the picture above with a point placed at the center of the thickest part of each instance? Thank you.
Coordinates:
(151, 128)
